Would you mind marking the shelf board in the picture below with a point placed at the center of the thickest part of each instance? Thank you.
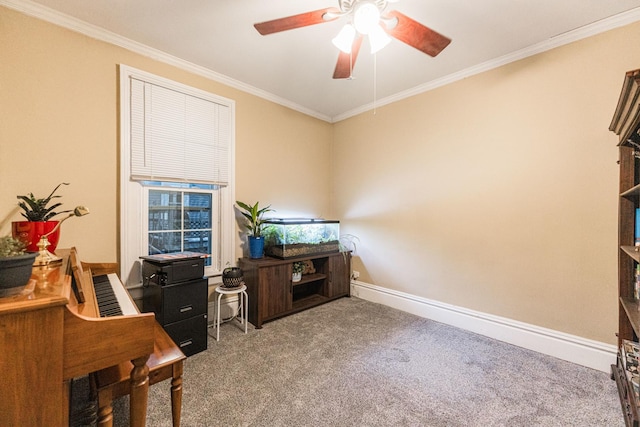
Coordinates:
(308, 278)
(310, 301)
(633, 192)
(632, 251)
(632, 308)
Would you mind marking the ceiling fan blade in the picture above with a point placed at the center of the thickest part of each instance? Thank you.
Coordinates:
(417, 35)
(346, 61)
(297, 21)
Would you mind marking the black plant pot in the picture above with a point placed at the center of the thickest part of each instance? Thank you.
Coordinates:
(232, 277)
(15, 273)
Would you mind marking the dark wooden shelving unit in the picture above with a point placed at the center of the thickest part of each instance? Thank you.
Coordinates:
(273, 294)
(626, 124)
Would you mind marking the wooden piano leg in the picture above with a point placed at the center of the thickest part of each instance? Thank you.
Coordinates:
(139, 392)
(105, 415)
(176, 393)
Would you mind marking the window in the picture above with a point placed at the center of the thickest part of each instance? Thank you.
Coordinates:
(180, 218)
(176, 172)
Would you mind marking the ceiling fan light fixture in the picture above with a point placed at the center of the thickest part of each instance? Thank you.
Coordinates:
(366, 16)
(378, 39)
(344, 39)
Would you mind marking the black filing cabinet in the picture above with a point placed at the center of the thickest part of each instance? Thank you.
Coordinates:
(175, 290)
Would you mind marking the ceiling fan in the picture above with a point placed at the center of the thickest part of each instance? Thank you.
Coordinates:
(366, 17)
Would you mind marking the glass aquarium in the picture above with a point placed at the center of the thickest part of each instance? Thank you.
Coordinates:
(288, 238)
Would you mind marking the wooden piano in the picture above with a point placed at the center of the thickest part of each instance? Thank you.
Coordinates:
(47, 338)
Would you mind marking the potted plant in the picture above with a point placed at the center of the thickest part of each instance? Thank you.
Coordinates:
(15, 266)
(38, 213)
(297, 269)
(253, 214)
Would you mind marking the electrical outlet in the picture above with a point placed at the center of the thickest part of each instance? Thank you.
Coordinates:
(355, 274)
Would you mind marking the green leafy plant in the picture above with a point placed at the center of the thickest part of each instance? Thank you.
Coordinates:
(253, 215)
(298, 267)
(10, 247)
(38, 209)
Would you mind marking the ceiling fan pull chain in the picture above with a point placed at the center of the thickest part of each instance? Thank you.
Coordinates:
(375, 81)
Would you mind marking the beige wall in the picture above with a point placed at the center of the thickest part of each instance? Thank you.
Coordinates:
(59, 109)
(496, 193)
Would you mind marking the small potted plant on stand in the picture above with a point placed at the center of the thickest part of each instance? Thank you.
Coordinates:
(297, 269)
(15, 266)
(253, 215)
(38, 215)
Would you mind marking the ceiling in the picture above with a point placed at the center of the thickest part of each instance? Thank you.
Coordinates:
(295, 67)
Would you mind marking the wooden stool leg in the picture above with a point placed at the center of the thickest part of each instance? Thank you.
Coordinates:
(139, 392)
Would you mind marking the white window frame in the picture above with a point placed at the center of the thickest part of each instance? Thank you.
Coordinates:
(134, 195)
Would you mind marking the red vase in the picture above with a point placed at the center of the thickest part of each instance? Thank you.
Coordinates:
(31, 231)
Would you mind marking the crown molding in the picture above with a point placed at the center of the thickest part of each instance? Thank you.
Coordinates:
(46, 14)
(593, 29)
(57, 18)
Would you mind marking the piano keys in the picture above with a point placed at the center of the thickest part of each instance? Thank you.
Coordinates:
(113, 299)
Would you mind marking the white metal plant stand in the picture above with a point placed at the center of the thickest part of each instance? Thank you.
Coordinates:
(243, 304)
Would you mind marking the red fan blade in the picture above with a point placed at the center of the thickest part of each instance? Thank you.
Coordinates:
(297, 21)
(346, 61)
(417, 35)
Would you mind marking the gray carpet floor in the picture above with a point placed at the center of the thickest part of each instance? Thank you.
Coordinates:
(355, 363)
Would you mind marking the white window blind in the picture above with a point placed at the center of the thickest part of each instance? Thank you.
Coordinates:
(178, 137)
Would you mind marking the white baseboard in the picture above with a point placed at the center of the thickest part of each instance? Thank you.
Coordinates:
(582, 351)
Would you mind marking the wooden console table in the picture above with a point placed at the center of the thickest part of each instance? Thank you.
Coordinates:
(272, 293)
